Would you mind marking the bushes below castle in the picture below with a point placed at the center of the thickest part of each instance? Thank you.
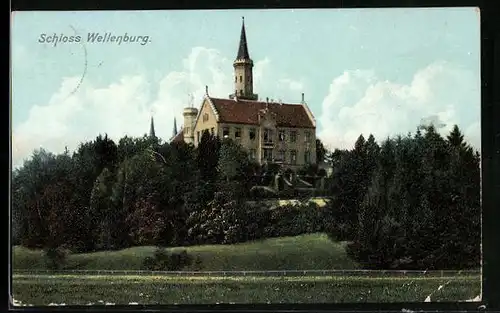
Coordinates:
(236, 222)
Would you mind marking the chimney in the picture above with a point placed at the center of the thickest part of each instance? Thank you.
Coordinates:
(303, 98)
(267, 99)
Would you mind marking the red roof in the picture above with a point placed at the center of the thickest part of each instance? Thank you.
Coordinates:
(179, 137)
(247, 112)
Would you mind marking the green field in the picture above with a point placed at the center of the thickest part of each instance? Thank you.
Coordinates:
(312, 251)
(83, 289)
(306, 252)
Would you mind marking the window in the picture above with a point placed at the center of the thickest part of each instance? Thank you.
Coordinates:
(307, 156)
(212, 131)
(205, 117)
(237, 133)
(251, 133)
(241, 78)
(267, 155)
(307, 137)
(281, 156)
(253, 154)
(198, 137)
(241, 92)
(225, 132)
(268, 135)
(188, 130)
(235, 79)
(293, 156)
(293, 136)
(281, 135)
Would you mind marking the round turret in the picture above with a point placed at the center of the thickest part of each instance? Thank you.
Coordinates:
(190, 115)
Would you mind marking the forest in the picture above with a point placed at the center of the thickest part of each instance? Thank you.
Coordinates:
(407, 202)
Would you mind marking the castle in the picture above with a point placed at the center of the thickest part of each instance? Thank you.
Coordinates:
(273, 132)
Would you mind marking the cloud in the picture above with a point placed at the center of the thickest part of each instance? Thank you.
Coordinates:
(122, 107)
(359, 102)
(290, 84)
(259, 68)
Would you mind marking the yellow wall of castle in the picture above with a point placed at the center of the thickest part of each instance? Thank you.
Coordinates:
(202, 125)
(300, 145)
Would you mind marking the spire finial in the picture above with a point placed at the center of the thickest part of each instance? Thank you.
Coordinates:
(206, 90)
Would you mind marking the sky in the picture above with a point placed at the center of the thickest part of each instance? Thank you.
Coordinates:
(363, 71)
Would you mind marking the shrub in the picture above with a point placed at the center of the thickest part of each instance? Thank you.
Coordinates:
(163, 260)
(55, 258)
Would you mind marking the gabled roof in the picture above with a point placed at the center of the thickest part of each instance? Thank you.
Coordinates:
(179, 137)
(242, 111)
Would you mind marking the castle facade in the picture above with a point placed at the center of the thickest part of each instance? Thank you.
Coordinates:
(274, 132)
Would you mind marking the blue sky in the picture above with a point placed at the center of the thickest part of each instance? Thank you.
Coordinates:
(380, 71)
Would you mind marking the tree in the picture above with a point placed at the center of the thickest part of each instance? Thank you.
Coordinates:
(101, 209)
(455, 138)
(146, 222)
(321, 151)
(233, 161)
(421, 209)
(207, 156)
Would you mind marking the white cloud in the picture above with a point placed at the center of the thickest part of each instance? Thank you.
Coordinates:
(123, 107)
(360, 103)
(290, 84)
(259, 68)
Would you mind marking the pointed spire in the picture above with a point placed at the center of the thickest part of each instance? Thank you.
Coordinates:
(243, 48)
(175, 128)
(152, 129)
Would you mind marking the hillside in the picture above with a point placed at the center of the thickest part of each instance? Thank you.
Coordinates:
(311, 251)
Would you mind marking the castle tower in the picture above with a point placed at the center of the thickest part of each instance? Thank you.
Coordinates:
(243, 75)
(189, 114)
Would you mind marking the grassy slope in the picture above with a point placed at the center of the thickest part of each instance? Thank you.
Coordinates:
(312, 251)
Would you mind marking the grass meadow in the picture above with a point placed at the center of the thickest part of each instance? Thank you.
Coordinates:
(306, 252)
(312, 251)
(87, 290)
